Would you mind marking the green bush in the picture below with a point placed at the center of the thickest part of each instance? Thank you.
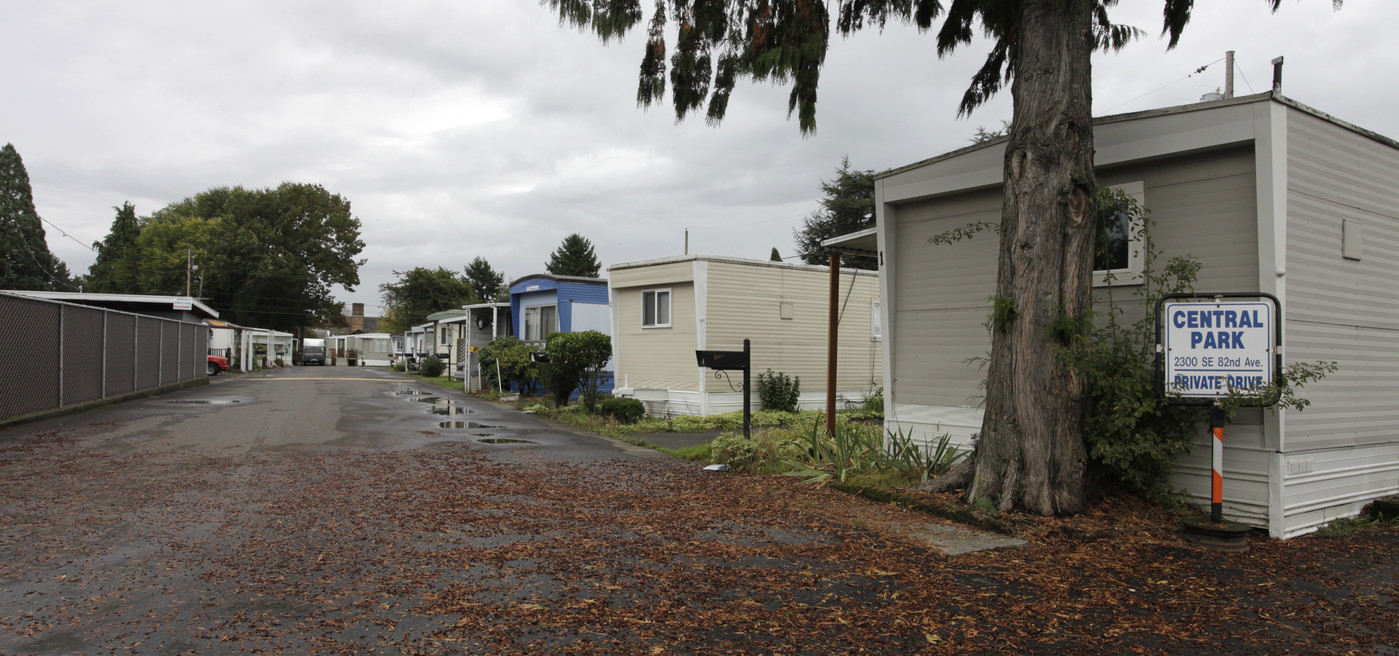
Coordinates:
(510, 356)
(1132, 434)
(736, 451)
(576, 361)
(875, 401)
(627, 411)
(433, 366)
(778, 391)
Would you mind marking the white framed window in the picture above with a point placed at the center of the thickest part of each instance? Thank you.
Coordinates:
(540, 320)
(1117, 256)
(655, 308)
(442, 335)
(876, 326)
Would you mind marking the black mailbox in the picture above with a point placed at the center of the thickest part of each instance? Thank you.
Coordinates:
(722, 359)
(539, 356)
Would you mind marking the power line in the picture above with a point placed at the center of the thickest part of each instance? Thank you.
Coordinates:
(1180, 79)
(65, 234)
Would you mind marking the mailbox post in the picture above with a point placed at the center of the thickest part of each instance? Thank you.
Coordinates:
(724, 361)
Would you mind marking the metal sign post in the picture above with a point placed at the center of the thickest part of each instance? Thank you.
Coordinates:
(1210, 350)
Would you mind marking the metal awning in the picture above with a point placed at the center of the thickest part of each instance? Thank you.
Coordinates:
(864, 242)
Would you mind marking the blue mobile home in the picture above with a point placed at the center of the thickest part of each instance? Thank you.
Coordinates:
(544, 303)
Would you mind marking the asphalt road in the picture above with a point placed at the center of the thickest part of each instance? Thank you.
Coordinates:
(357, 511)
(150, 526)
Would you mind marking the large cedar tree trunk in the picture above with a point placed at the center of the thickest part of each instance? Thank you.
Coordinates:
(1030, 455)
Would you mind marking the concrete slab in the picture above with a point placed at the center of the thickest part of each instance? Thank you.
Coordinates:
(953, 540)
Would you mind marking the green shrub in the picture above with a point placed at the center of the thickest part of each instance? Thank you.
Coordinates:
(778, 391)
(510, 356)
(736, 451)
(433, 366)
(627, 411)
(875, 401)
(576, 362)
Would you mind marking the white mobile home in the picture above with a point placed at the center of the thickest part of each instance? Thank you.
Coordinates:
(1272, 196)
(664, 310)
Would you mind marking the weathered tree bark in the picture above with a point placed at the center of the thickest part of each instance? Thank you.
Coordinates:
(1030, 455)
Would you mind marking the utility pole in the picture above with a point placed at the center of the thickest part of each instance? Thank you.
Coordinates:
(1229, 74)
(189, 263)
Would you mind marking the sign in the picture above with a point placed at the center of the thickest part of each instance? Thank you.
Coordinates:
(1214, 348)
(183, 303)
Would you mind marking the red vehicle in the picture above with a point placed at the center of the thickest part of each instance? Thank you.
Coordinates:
(217, 363)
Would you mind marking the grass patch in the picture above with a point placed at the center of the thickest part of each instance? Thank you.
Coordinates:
(1347, 526)
(443, 382)
(699, 453)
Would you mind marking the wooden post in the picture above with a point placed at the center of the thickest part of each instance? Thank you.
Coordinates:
(832, 337)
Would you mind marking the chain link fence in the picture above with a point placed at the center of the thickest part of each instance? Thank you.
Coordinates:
(54, 355)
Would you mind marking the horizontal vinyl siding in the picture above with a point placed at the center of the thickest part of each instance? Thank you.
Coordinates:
(659, 274)
(580, 293)
(1246, 471)
(941, 294)
(657, 358)
(1203, 205)
(1325, 485)
(745, 301)
(1337, 309)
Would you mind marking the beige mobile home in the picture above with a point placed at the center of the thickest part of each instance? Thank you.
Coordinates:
(1272, 196)
(664, 310)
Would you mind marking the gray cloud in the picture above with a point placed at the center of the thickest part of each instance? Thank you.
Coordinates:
(484, 128)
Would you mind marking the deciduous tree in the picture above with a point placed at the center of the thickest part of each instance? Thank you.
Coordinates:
(574, 257)
(421, 292)
(1030, 455)
(268, 257)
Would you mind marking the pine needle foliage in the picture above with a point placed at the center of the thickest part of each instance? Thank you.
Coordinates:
(574, 257)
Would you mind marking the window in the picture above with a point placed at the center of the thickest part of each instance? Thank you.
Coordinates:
(540, 320)
(876, 326)
(1117, 256)
(442, 335)
(655, 308)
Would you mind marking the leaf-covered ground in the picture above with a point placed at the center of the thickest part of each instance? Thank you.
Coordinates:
(463, 548)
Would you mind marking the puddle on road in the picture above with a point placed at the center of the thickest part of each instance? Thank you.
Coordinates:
(450, 410)
(411, 392)
(203, 401)
(504, 440)
(445, 407)
(465, 424)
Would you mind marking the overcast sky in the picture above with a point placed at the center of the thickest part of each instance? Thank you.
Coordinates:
(481, 127)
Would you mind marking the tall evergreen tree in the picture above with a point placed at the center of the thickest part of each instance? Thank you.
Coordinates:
(1030, 455)
(25, 260)
(488, 283)
(116, 270)
(574, 257)
(848, 206)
